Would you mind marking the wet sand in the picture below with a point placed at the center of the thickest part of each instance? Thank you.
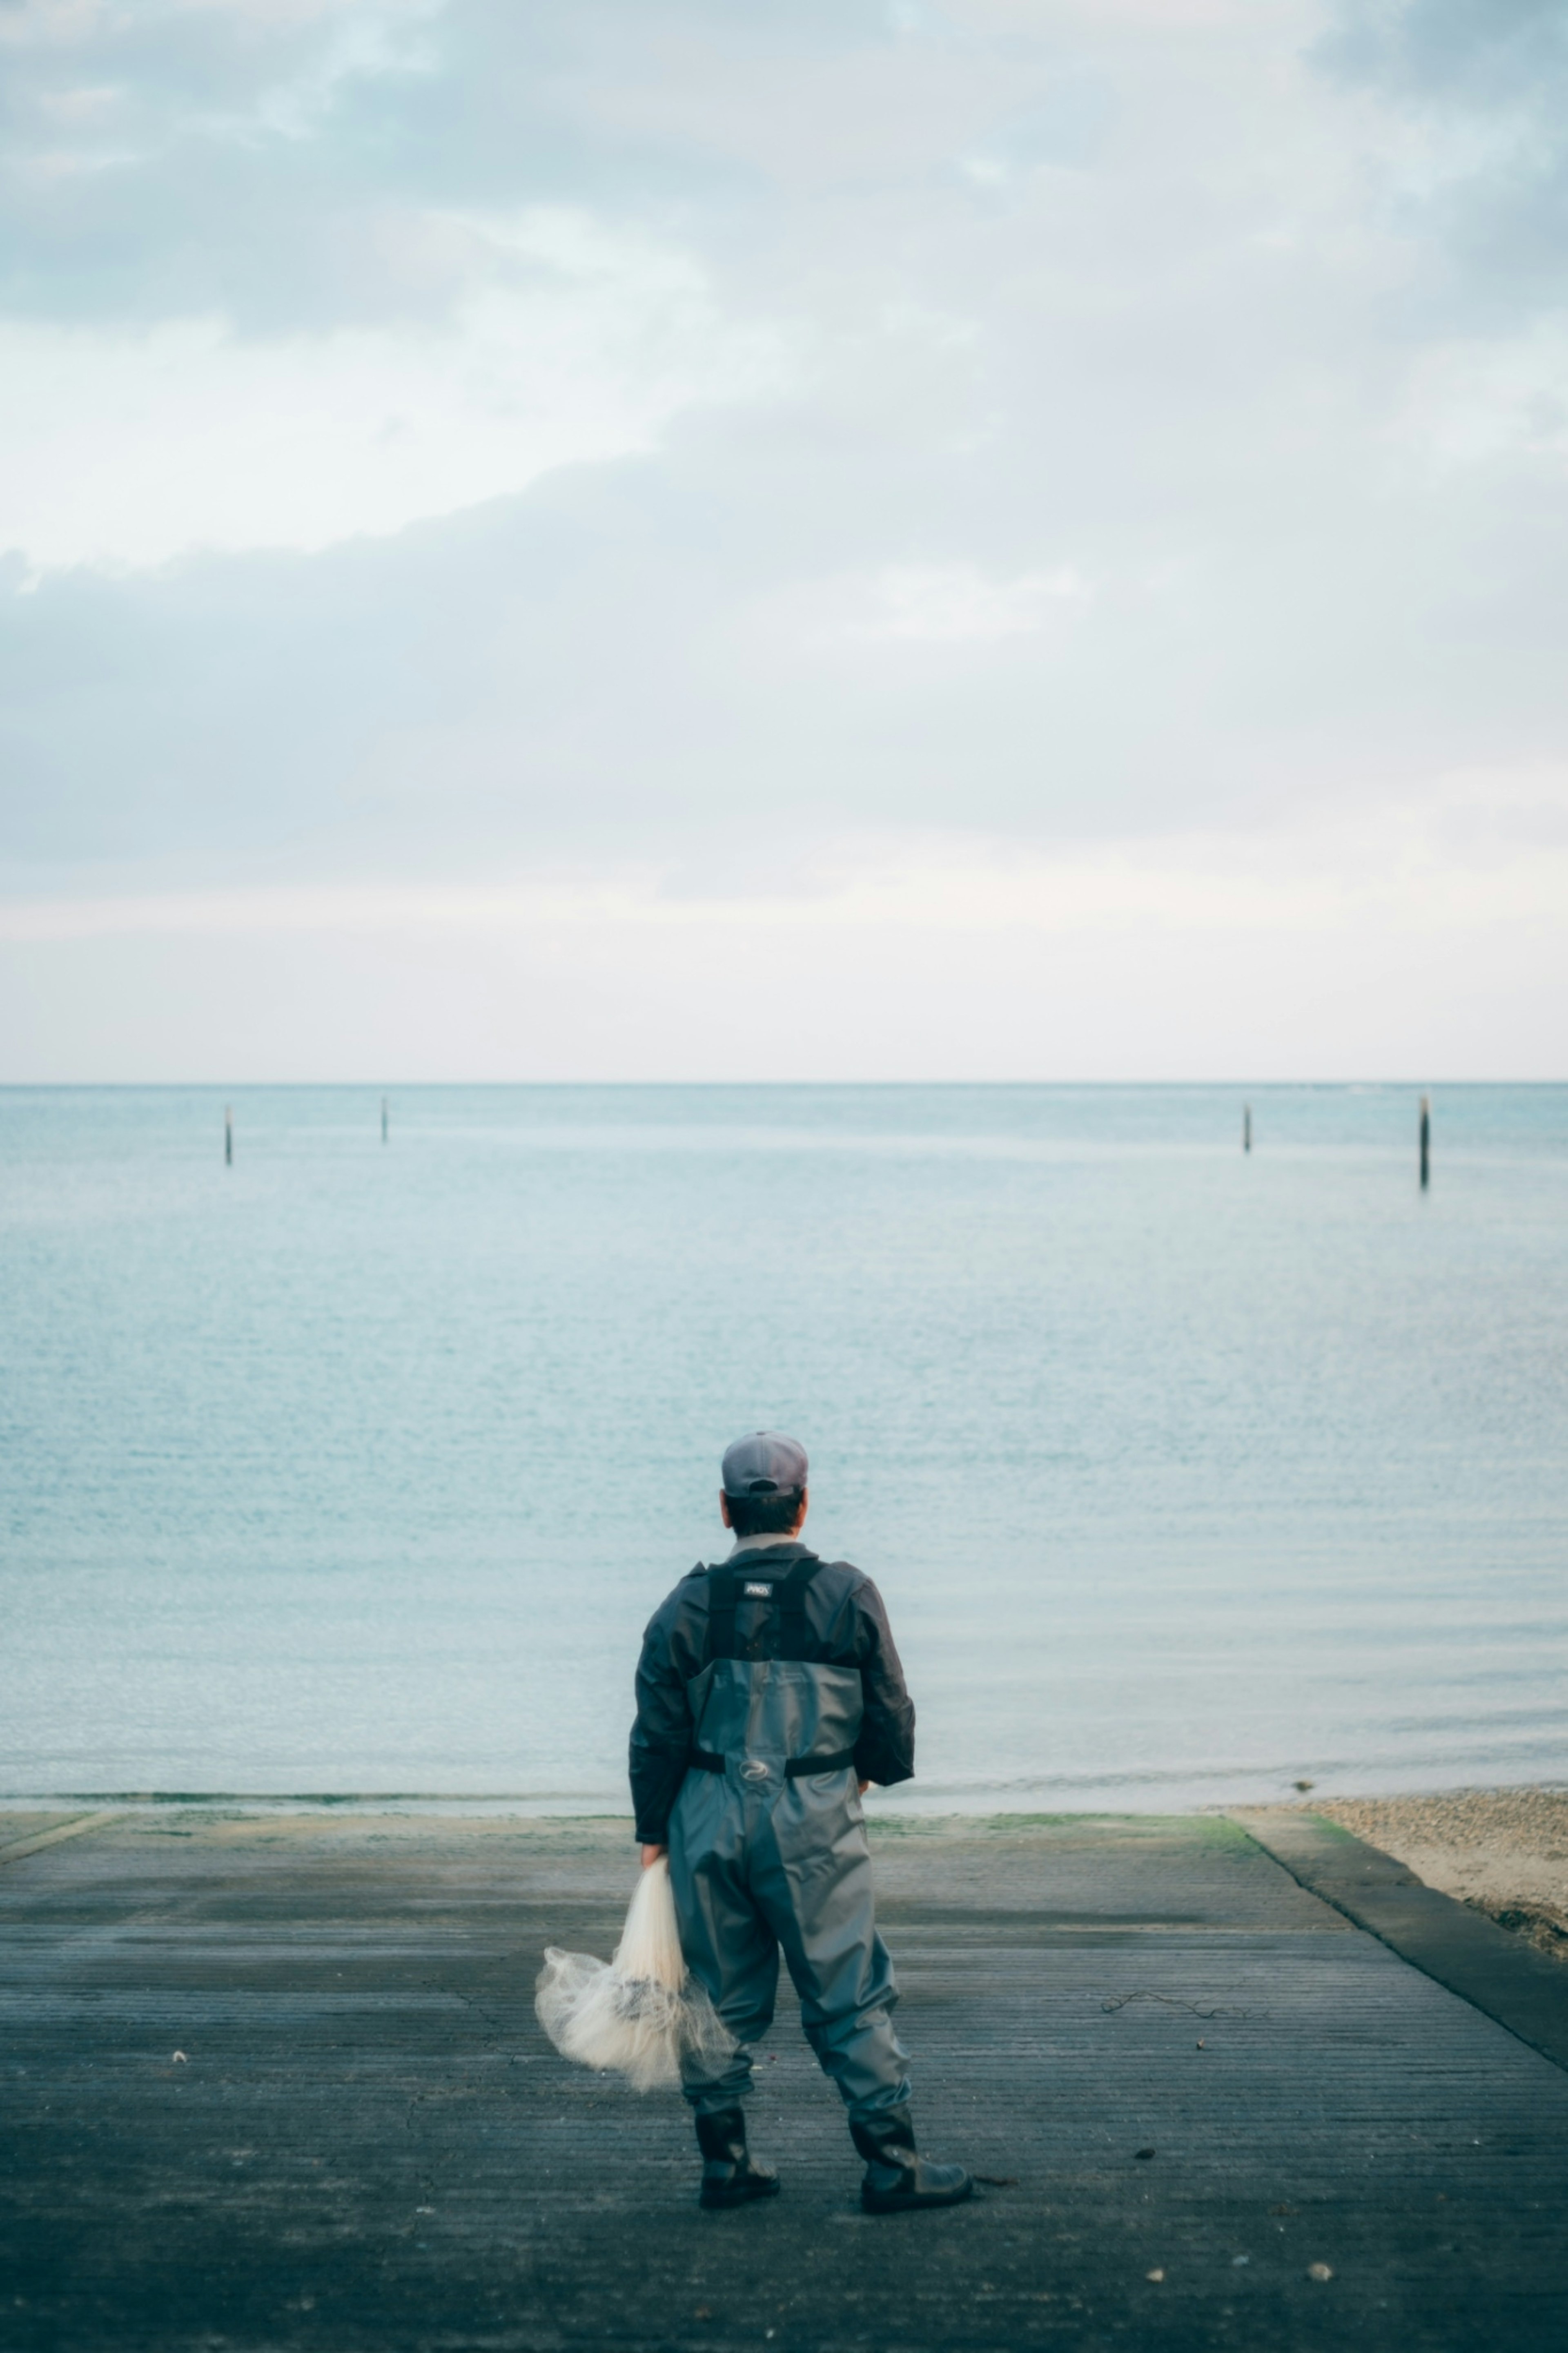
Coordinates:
(1504, 1852)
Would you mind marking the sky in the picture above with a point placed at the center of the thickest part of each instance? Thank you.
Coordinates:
(632, 540)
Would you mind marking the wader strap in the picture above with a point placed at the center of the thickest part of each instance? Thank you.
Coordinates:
(721, 1614)
(703, 1760)
(725, 1587)
(790, 1600)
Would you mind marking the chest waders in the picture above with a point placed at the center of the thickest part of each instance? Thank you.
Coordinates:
(768, 1852)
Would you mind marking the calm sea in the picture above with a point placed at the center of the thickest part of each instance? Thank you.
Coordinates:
(1187, 1475)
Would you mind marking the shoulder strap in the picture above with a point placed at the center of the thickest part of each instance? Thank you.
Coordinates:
(788, 1599)
(791, 1606)
(721, 1585)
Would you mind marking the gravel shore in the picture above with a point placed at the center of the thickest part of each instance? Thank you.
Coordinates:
(1503, 1851)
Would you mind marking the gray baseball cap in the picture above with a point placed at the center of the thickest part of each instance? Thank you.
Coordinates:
(764, 1464)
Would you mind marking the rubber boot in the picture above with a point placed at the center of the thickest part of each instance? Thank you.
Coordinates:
(729, 2177)
(898, 2180)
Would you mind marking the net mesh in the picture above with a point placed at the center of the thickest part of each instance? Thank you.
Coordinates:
(641, 2014)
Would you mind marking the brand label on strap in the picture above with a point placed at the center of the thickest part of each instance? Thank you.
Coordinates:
(758, 1592)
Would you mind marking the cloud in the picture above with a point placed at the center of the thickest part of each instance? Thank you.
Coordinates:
(955, 604)
(1382, 946)
(1477, 53)
(614, 440)
(1484, 848)
(1472, 401)
(935, 604)
(575, 345)
(1476, 155)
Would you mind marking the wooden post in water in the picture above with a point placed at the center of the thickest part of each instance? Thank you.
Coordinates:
(383, 1119)
(1425, 1143)
(1246, 1127)
(227, 1136)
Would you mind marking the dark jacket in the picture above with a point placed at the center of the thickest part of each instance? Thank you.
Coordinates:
(847, 1626)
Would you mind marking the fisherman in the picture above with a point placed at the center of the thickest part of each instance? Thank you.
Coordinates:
(769, 1698)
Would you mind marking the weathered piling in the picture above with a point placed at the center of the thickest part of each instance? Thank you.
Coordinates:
(1246, 1127)
(1426, 1142)
(227, 1136)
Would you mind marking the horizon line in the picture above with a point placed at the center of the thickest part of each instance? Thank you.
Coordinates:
(771, 1086)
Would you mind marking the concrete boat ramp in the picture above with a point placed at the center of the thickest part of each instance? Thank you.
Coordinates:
(274, 2081)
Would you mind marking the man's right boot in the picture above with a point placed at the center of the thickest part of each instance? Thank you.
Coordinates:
(899, 2180)
(729, 2177)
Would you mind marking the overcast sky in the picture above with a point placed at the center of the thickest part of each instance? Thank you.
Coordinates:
(783, 538)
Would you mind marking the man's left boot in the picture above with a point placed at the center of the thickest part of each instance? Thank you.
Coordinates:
(729, 2177)
(897, 2179)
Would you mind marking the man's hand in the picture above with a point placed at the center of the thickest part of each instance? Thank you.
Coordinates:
(863, 1786)
(652, 1853)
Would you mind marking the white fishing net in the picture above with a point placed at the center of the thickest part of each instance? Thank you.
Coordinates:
(640, 2012)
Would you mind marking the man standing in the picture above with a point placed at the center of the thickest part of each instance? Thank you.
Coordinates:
(769, 1697)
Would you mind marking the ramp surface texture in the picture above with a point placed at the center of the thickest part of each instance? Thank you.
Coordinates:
(367, 2143)
(1522, 1987)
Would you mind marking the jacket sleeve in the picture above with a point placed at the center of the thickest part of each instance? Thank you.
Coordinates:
(661, 1735)
(884, 1751)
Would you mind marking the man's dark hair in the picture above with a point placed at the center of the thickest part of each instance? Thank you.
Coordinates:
(764, 1516)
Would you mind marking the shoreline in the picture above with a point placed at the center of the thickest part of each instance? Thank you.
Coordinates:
(1051, 1802)
(1502, 1852)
